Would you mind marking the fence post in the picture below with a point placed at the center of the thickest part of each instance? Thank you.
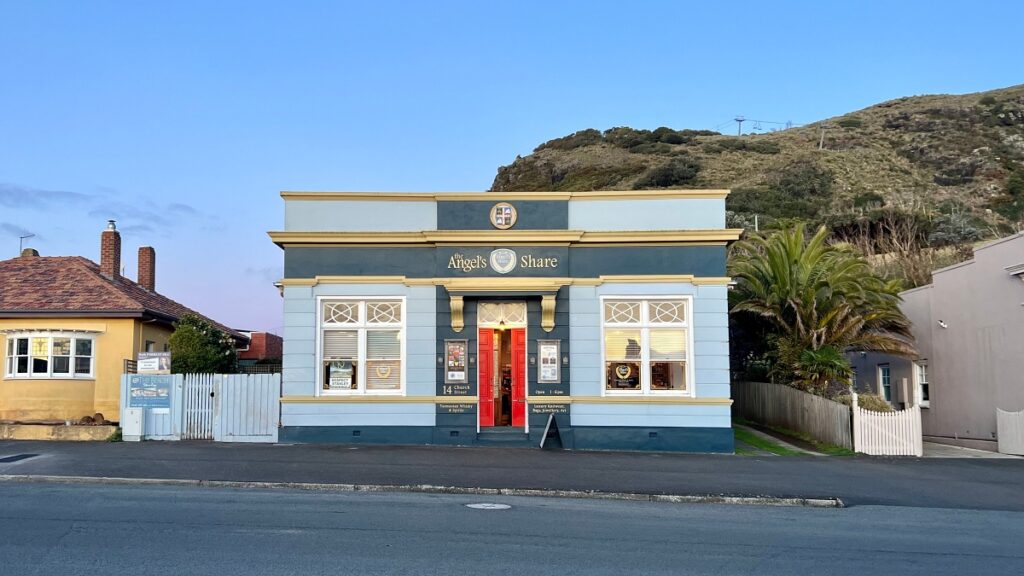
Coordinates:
(855, 413)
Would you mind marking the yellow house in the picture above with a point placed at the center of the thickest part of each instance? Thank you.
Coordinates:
(67, 326)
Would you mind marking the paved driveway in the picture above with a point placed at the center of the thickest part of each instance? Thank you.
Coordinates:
(935, 450)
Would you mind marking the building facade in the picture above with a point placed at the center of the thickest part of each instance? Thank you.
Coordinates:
(262, 347)
(473, 318)
(969, 328)
(67, 326)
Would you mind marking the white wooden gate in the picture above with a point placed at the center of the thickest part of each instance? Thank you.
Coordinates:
(887, 433)
(1010, 431)
(199, 396)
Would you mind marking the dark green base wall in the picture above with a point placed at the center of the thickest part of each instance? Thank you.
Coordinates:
(694, 440)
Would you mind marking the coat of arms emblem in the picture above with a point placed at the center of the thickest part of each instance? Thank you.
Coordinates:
(503, 260)
(503, 215)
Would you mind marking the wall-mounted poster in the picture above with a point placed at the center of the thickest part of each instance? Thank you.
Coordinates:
(153, 363)
(149, 391)
(549, 369)
(455, 361)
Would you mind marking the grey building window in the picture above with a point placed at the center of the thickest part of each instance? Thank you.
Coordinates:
(884, 382)
(921, 374)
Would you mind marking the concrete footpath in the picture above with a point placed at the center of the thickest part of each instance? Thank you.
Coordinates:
(855, 480)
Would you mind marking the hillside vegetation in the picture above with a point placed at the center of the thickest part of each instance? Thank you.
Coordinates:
(951, 165)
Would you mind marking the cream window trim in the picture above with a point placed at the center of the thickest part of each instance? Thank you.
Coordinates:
(645, 326)
(367, 318)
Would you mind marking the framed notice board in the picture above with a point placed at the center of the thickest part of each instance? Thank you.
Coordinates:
(455, 355)
(549, 368)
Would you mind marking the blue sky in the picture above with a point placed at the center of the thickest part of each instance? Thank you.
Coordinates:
(183, 120)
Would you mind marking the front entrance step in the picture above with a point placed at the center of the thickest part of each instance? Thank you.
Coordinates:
(503, 437)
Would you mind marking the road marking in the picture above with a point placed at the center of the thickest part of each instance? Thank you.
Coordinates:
(488, 506)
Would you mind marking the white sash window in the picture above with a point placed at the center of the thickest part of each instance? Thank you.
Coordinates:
(362, 346)
(646, 344)
(50, 355)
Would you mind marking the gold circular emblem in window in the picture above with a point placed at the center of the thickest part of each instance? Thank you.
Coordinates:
(503, 216)
(623, 371)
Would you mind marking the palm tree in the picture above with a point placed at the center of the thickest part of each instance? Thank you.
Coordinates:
(814, 296)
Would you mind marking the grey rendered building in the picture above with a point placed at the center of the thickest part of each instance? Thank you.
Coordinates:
(472, 318)
(969, 327)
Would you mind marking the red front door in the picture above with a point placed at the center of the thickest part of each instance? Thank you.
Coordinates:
(485, 383)
(519, 377)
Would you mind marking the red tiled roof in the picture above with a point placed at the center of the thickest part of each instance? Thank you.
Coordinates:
(70, 284)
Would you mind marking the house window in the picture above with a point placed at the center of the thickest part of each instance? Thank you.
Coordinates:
(362, 347)
(646, 344)
(55, 355)
(921, 374)
(150, 346)
(884, 383)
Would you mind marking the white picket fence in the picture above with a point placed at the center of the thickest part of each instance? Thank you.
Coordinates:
(1010, 431)
(887, 433)
(220, 407)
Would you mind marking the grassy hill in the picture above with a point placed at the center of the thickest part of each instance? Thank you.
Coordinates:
(958, 157)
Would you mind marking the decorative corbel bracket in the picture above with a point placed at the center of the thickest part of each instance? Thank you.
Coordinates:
(456, 306)
(547, 312)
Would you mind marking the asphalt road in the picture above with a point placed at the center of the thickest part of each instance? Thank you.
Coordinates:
(857, 480)
(137, 530)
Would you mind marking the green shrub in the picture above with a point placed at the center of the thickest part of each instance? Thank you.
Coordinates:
(651, 148)
(987, 101)
(579, 139)
(742, 145)
(869, 199)
(678, 171)
(198, 347)
(872, 402)
(850, 122)
(764, 147)
(626, 137)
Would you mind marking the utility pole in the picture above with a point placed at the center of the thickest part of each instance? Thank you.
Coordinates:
(757, 228)
(821, 143)
(739, 125)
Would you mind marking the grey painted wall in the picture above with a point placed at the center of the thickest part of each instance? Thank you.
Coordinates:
(975, 363)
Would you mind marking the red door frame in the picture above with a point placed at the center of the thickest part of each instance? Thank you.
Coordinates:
(518, 353)
(485, 371)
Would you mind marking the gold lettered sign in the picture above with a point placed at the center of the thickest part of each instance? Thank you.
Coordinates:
(502, 260)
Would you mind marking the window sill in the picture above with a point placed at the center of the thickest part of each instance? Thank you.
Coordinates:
(650, 393)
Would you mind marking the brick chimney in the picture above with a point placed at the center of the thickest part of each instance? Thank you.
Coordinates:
(29, 253)
(110, 251)
(147, 268)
